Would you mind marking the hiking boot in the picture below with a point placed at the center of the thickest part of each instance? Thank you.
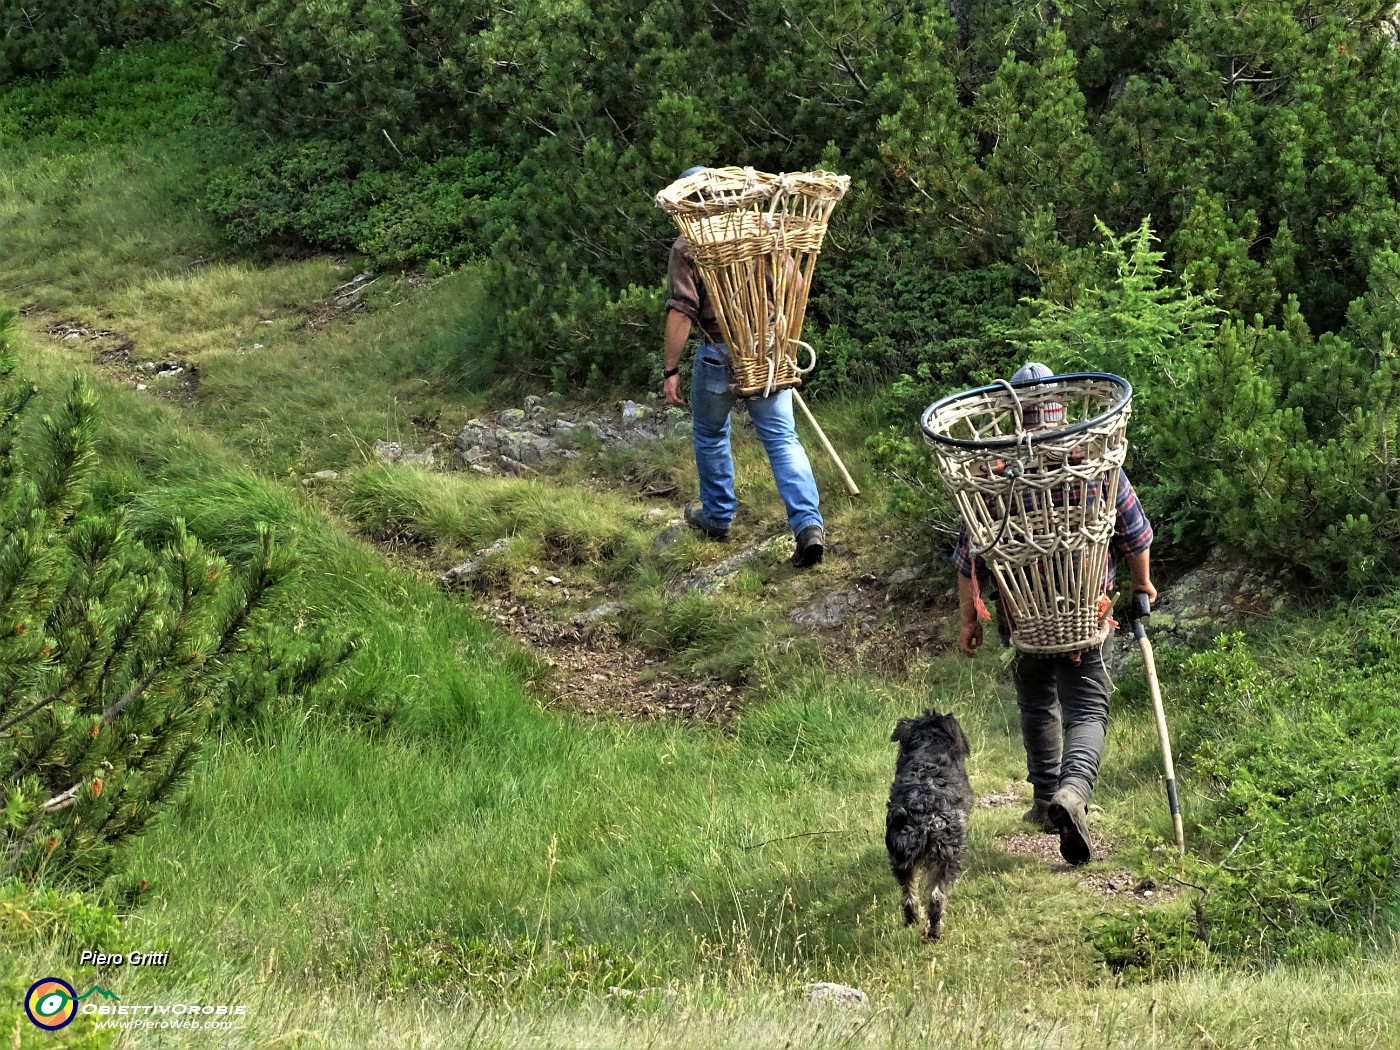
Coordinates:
(1069, 814)
(811, 545)
(1038, 817)
(695, 518)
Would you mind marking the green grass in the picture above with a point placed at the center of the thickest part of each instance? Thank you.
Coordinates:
(424, 854)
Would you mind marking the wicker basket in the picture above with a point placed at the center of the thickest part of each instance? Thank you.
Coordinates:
(1034, 467)
(755, 238)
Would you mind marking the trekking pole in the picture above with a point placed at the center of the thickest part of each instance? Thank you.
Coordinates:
(821, 435)
(1142, 613)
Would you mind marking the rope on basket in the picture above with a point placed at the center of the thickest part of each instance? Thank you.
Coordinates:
(1019, 468)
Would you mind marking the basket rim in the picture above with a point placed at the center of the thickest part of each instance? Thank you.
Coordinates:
(1033, 438)
(747, 187)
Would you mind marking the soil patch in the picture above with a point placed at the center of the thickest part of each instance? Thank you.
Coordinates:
(346, 299)
(116, 354)
(594, 671)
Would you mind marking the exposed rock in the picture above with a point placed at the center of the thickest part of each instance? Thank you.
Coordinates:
(599, 612)
(320, 475)
(1214, 597)
(835, 994)
(422, 459)
(480, 456)
(602, 432)
(390, 452)
(461, 577)
(535, 435)
(530, 449)
(829, 611)
(906, 575)
(476, 434)
(667, 537)
(713, 577)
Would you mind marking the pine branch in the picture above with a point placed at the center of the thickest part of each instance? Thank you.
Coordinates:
(131, 694)
(62, 800)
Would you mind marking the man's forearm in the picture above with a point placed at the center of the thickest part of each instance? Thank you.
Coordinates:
(1139, 571)
(677, 334)
(967, 608)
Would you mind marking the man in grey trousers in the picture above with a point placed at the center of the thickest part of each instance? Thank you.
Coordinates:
(1063, 699)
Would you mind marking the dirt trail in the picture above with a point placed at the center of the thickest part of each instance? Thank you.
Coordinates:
(860, 619)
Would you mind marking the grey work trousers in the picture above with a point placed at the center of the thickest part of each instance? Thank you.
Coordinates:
(1064, 715)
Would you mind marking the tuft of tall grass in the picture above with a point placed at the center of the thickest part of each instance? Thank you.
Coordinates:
(462, 511)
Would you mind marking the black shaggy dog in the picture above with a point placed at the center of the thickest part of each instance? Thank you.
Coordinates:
(926, 823)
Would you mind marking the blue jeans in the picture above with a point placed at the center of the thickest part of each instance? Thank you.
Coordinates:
(710, 403)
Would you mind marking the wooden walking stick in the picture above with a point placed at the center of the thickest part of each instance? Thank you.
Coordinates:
(1142, 613)
(821, 436)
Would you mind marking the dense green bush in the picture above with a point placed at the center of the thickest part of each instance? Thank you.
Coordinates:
(1259, 435)
(1260, 144)
(139, 92)
(1297, 856)
(321, 194)
(68, 35)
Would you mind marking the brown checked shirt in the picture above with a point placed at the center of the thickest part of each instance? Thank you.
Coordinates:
(685, 292)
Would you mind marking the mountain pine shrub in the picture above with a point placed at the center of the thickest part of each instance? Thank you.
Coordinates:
(113, 657)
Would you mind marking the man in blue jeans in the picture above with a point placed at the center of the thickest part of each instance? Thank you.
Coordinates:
(688, 306)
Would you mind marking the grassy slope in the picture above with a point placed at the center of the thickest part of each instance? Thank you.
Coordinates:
(429, 838)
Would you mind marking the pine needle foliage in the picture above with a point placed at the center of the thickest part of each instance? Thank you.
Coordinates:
(114, 658)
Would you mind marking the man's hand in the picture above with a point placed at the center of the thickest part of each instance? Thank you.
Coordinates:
(671, 390)
(673, 349)
(970, 637)
(1140, 573)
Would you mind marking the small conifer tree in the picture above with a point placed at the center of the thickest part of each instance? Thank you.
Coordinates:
(112, 656)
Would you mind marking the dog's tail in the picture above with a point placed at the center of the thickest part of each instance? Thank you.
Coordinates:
(904, 838)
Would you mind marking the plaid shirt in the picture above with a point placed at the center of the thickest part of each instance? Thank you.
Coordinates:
(1132, 534)
(685, 292)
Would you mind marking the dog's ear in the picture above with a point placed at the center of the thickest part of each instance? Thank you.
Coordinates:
(960, 745)
(901, 730)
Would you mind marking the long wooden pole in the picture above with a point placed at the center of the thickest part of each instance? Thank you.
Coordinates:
(821, 436)
(1142, 612)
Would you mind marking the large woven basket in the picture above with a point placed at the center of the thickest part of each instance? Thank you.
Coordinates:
(755, 238)
(1034, 467)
